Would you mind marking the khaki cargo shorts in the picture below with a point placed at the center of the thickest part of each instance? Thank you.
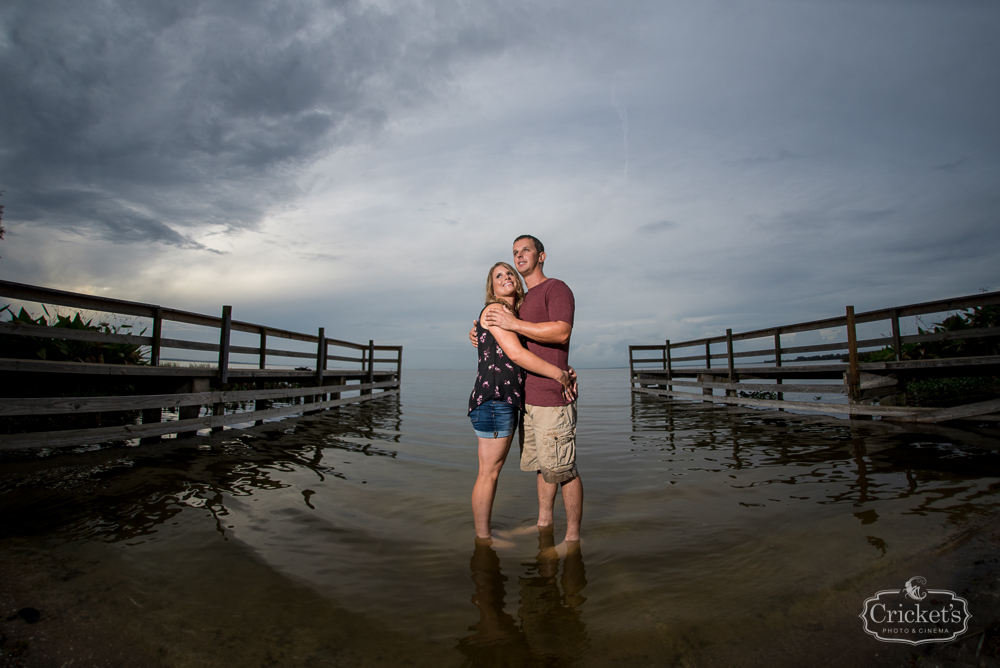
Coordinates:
(548, 442)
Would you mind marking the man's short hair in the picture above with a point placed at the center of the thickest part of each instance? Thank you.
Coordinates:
(539, 246)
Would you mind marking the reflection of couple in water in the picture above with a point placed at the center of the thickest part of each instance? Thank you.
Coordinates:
(524, 379)
(550, 630)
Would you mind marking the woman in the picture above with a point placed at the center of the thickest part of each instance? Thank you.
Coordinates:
(498, 395)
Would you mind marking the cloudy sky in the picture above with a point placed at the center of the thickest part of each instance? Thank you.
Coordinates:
(690, 165)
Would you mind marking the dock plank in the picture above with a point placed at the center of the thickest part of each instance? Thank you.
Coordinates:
(75, 437)
(75, 405)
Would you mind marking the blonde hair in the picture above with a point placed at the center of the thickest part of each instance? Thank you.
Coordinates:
(491, 297)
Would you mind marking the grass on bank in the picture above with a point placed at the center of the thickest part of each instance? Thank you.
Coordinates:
(957, 390)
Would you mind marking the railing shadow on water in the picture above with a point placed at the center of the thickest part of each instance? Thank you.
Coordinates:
(924, 455)
(128, 492)
(549, 629)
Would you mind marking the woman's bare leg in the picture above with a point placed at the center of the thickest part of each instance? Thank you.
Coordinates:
(492, 454)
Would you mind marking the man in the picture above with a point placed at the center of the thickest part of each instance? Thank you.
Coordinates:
(548, 434)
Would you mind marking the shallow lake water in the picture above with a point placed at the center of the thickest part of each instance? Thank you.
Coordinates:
(346, 538)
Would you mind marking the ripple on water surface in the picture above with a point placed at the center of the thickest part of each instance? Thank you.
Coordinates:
(692, 513)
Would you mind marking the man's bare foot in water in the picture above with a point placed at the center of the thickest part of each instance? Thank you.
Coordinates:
(567, 547)
(495, 542)
(547, 545)
(519, 531)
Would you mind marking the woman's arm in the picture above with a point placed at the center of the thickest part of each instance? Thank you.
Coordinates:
(526, 359)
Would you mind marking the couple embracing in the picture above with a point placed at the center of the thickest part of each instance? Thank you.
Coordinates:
(524, 378)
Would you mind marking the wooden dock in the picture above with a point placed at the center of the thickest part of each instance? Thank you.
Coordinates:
(870, 388)
(36, 387)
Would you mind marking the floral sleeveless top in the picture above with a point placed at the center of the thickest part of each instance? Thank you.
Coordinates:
(499, 378)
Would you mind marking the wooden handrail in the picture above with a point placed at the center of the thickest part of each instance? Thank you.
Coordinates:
(158, 314)
(939, 306)
(863, 382)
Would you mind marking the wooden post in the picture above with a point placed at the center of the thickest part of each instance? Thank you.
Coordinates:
(152, 415)
(154, 350)
(706, 391)
(227, 327)
(854, 370)
(670, 371)
(321, 355)
(732, 365)
(663, 386)
(195, 385)
(898, 399)
(399, 368)
(263, 348)
(705, 377)
(631, 367)
(261, 404)
(777, 358)
(897, 345)
(371, 362)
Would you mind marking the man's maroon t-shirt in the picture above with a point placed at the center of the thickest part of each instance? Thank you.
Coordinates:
(548, 301)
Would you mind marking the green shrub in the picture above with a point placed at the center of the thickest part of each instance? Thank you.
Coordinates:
(67, 350)
(980, 317)
(946, 392)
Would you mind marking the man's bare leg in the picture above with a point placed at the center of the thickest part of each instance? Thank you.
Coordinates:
(546, 499)
(572, 491)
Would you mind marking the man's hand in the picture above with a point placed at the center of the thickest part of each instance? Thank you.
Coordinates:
(498, 317)
(570, 387)
(472, 333)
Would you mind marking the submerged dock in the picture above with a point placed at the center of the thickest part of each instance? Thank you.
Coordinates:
(74, 391)
(872, 388)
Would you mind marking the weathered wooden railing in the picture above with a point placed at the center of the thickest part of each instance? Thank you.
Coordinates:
(663, 373)
(187, 389)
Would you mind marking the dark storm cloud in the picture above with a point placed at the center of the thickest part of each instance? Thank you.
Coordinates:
(107, 219)
(816, 153)
(134, 120)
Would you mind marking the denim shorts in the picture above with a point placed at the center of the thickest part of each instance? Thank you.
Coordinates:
(494, 419)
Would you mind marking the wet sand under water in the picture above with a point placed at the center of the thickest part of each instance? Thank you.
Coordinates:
(712, 537)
